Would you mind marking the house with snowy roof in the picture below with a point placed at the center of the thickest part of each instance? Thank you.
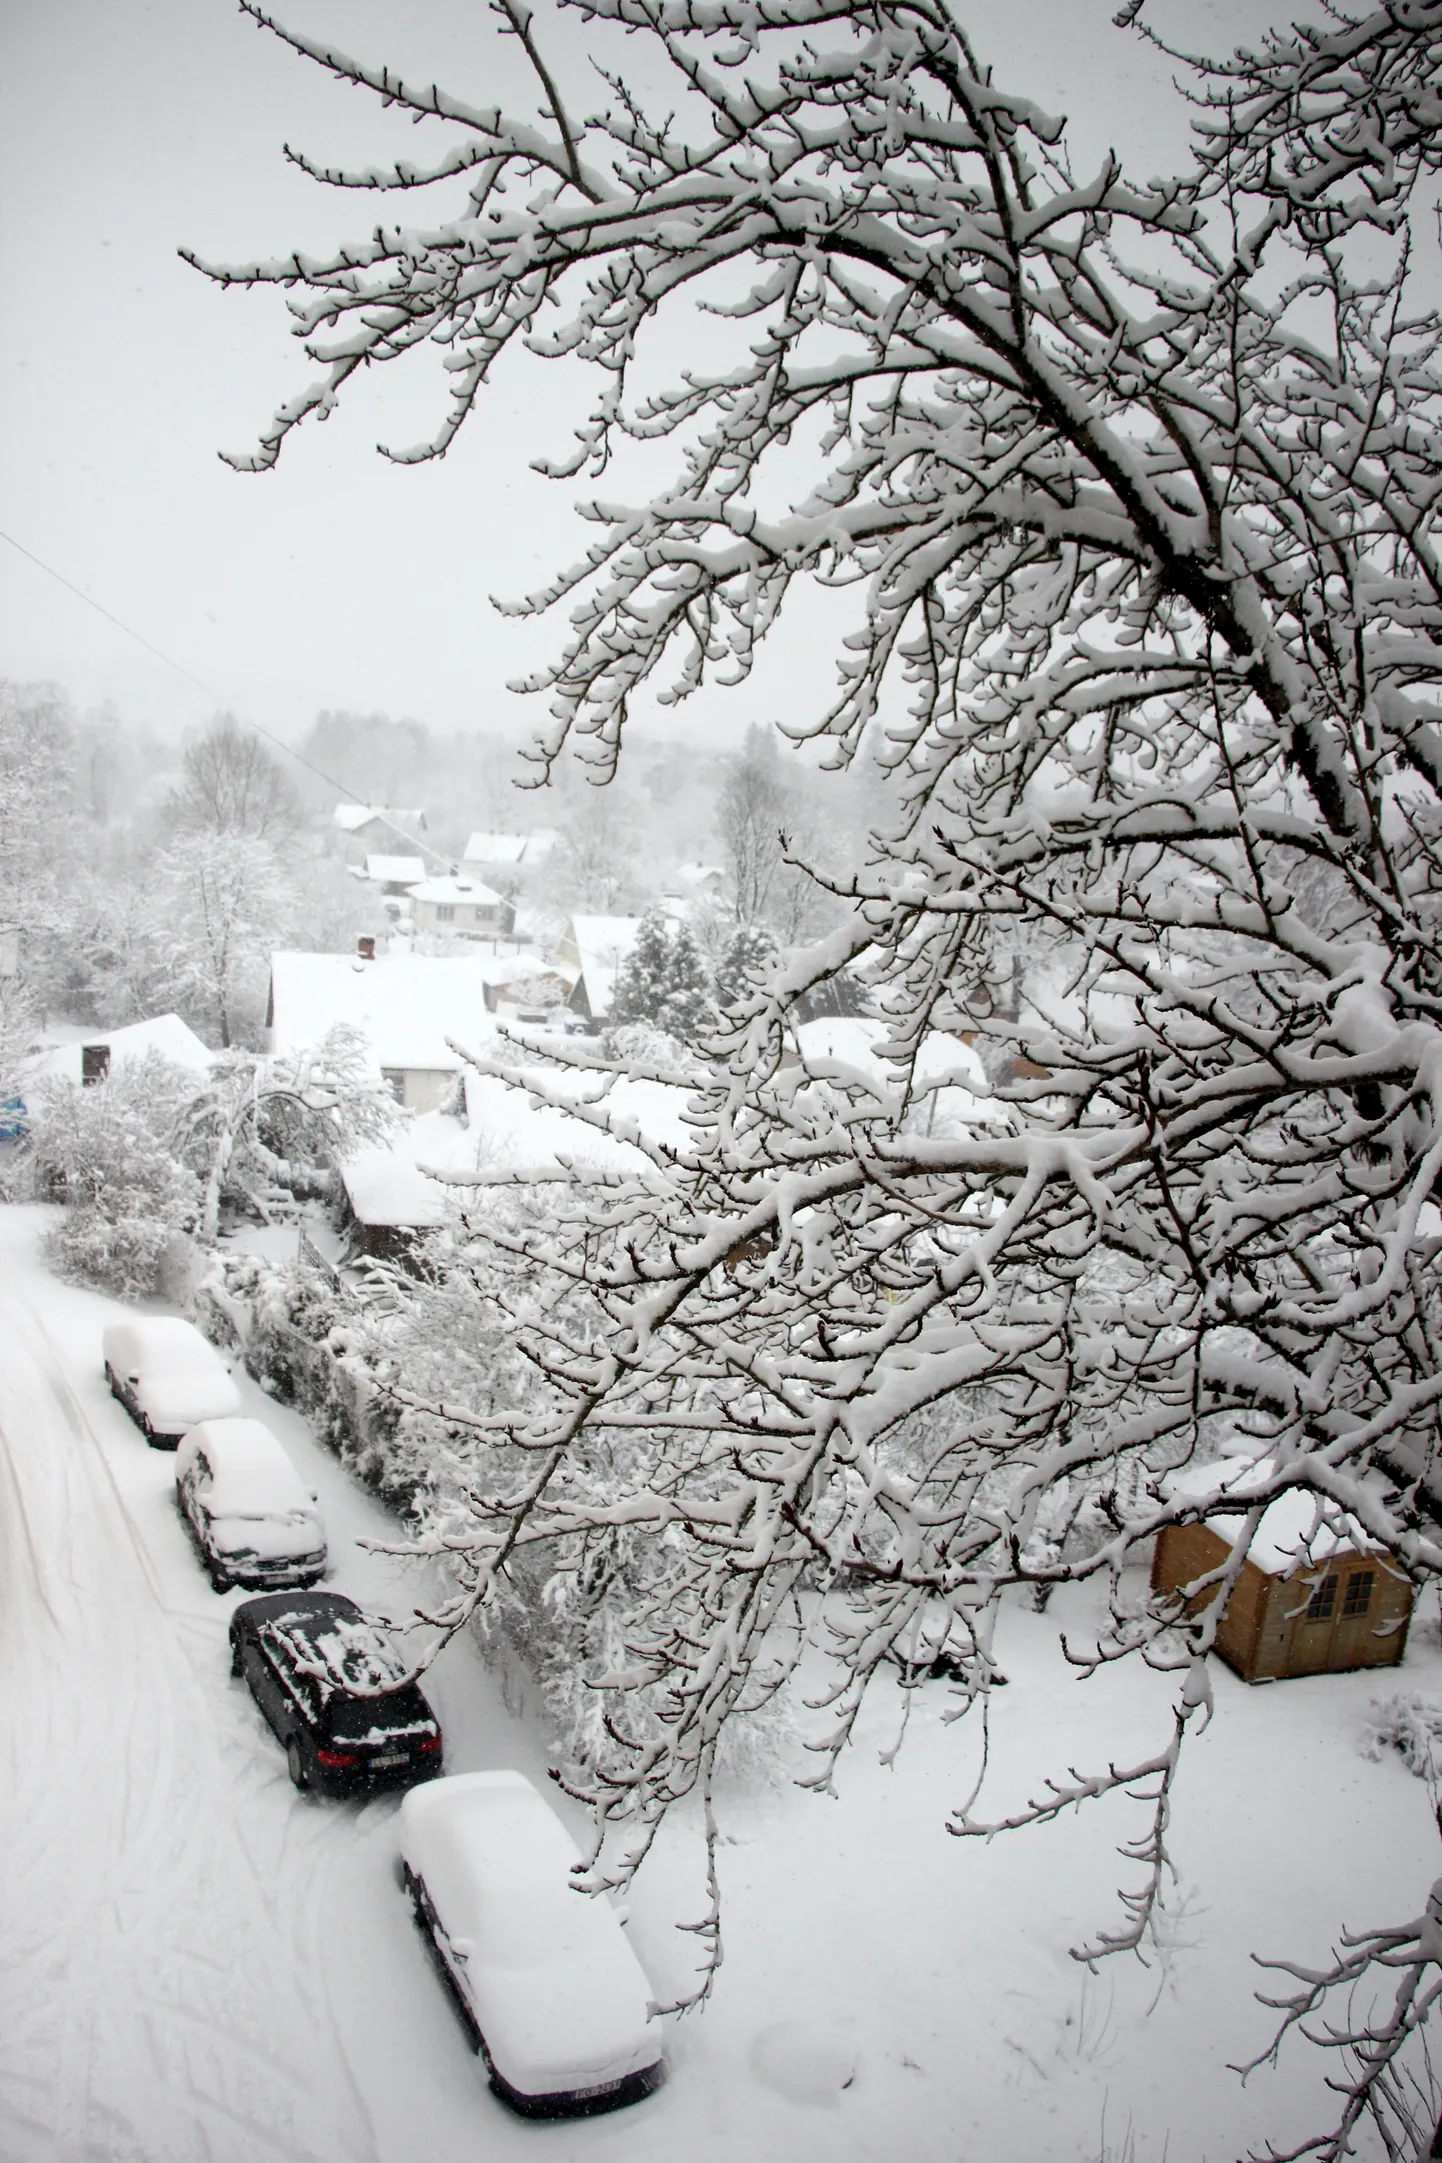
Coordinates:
(393, 875)
(363, 827)
(594, 949)
(1315, 1593)
(496, 853)
(407, 1007)
(461, 904)
(88, 1056)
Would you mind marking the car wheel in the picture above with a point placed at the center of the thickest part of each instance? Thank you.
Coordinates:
(294, 1765)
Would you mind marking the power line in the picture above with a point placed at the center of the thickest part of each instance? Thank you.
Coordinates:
(211, 693)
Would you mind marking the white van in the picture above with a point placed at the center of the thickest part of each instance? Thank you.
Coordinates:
(166, 1376)
(253, 1519)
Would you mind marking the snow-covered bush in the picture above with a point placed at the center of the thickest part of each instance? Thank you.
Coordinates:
(108, 1152)
(1410, 1724)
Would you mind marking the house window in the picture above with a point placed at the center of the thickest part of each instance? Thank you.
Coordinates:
(445, 912)
(1323, 1600)
(394, 1078)
(1359, 1593)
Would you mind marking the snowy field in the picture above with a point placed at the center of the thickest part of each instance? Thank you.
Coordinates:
(201, 1966)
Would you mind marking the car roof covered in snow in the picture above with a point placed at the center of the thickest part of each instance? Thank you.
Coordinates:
(161, 1338)
(251, 1471)
(558, 1991)
(329, 1638)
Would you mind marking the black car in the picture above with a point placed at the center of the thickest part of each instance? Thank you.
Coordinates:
(329, 1679)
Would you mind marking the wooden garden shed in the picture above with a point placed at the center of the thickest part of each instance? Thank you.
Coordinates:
(1311, 1599)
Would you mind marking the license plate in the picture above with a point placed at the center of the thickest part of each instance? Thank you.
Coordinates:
(382, 1764)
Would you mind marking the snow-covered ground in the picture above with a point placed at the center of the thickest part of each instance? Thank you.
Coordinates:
(200, 1966)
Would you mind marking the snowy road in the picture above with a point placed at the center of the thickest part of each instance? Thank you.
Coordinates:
(198, 1965)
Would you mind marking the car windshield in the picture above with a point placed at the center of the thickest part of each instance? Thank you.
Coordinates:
(366, 1719)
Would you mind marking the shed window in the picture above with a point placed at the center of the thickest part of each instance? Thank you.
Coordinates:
(445, 912)
(1359, 1593)
(1323, 1600)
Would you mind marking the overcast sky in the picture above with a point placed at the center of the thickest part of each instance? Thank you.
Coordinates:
(128, 130)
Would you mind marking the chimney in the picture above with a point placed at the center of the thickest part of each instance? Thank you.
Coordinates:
(365, 949)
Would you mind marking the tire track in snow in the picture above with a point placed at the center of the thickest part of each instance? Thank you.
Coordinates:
(162, 1998)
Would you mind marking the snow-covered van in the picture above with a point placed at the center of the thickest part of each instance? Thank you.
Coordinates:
(250, 1514)
(167, 1376)
(543, 1977)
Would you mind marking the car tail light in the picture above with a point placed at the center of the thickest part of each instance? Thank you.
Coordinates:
(430, 1743)
(336, 1758)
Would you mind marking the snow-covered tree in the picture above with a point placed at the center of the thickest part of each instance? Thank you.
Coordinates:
(231, 784)
(767, 827)
(272, 1130)
(748, 951)
(663, 980)
(109, 1154)
(1134, 483)
(221, 907)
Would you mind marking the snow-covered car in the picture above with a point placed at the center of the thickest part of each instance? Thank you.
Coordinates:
(167, 1377)
(332, 1683)
(549, 1990)
(246, 1507)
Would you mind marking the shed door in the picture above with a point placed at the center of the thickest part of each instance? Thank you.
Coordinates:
(1358, 1613)
(1315, 1627)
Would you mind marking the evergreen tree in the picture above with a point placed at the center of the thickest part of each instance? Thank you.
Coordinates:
(663, 980)
(748, 950)
(643, 979)
(687, 1006)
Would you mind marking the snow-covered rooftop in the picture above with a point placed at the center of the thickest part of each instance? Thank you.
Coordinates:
(166, 1034)
(386, 1187)
(405, 1005)
(350, 818)
(598, 945)
(1292, 1534)
(395, 870)
(499, 850)
(470, 891)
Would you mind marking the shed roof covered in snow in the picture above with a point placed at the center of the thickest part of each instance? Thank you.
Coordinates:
(385, 1188)
(405, 1005)
(1293, 1532)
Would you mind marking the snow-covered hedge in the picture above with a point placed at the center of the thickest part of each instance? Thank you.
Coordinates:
(303, 1347)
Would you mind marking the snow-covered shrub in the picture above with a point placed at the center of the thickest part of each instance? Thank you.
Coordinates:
(108, 1153)
(1411, 1724)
